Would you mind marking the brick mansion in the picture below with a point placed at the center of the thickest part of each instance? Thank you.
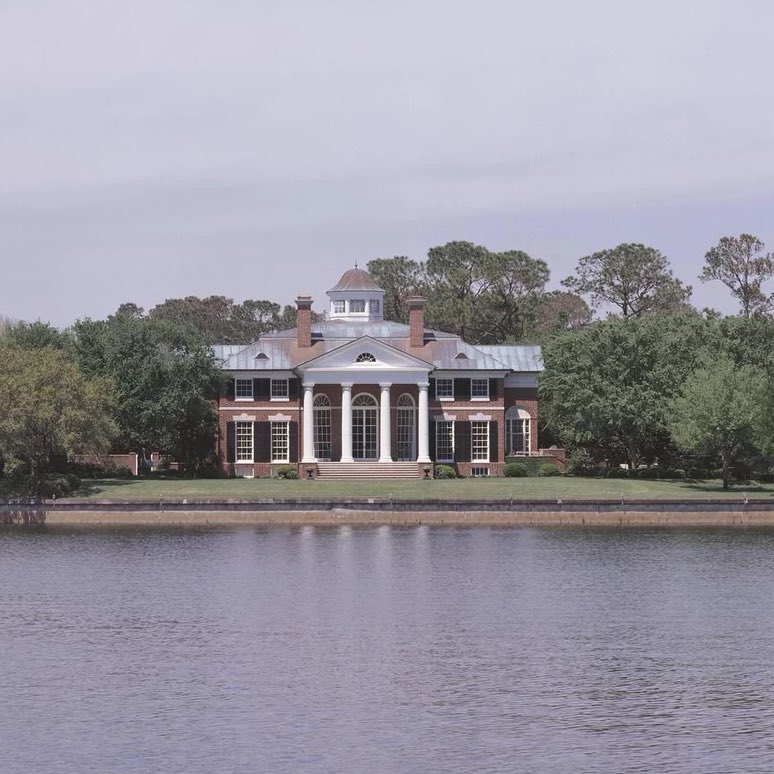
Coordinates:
(356, 395)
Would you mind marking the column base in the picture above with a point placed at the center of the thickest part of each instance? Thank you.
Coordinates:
(425, 460)
(386, 459)
(347, 459)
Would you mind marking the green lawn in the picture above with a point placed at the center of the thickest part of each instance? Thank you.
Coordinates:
(462, 489)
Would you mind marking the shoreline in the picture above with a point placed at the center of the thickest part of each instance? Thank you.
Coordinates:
(381, 511)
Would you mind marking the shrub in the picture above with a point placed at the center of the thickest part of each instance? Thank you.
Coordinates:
(617, 473)
(647, 474)
(94, 470)
(548, 469)
(515, 470)
(57, 485)
(445, 471)
(675, 473)
(287, 472)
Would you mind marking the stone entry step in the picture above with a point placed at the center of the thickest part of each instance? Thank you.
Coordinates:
(358, 470)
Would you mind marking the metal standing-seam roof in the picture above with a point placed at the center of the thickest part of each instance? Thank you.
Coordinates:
(355, 279)
(521, 357)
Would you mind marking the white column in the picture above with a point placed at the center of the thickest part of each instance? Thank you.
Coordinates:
(308, 451)
(423, 422)
(385, 453)
(346, 422)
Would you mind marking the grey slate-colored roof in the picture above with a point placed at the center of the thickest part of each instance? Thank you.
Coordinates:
(521, 358)
(344, 330)
(355, 279)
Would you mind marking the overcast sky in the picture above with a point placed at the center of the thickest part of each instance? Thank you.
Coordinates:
(258, 148)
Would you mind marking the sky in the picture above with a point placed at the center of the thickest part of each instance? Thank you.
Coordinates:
(259, 148)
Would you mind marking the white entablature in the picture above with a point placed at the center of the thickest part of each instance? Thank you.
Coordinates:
(365, 361)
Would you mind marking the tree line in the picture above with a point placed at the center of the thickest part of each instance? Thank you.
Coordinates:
(622, 389)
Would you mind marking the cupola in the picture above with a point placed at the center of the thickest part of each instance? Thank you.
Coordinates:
(356, 297)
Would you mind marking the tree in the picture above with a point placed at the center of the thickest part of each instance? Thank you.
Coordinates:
(634, 278)
(514, 284)
(221, 321)
(399, 278)
(740, 264)
(165, 379)
(50, 408)
(558, 311)
(718, 411)
(36, 335)
(457, 283)
(607, 387)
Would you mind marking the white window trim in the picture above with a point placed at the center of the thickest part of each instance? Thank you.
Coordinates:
(472, 445)
(479, 397)
(274, 459)
(237, 461)
(335, 304)
(279, 399)
(244, 397)
(444, 397)
(445, 460)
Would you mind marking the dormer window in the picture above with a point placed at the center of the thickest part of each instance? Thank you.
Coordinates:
(339, 307)
(357, 306)
(365, 357)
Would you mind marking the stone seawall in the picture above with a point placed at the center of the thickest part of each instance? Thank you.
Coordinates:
(678, 513)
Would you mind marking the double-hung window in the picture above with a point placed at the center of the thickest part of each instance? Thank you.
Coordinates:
(280, 442)
(243, 389)
(479, 389)
(339, 307)
(244, 442)
(444, 441)
(279, 389)
(374, 305)
(479, 441)
(444, 389)
(357, 306)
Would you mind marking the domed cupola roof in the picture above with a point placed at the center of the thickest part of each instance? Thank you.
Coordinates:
(355, 279)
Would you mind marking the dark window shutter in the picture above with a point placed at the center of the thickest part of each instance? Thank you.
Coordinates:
(432, 440)
(262, 442)
(230, 388)
(493, 389)
(293, 430)
(261, 389)
(293, 388)
(462, 389)
(462, 441)
(494, 453)
(230, 441)
(431, 390)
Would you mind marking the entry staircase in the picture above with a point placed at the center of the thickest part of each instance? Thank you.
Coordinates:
(363, 470)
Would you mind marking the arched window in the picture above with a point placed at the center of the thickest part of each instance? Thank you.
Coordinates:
(322, 427)
(518, 431)
(407, 423)
(365, 357)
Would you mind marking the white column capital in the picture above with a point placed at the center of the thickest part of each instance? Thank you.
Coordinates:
(423, 386)
(385, 436)
(347, 386)
(308, 385)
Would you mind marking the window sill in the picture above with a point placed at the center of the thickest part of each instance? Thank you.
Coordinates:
(244, 400)
(450, 400)
(481, 399)
(279, 400)
(479, 462)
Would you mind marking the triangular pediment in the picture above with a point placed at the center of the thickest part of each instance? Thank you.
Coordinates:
(365, 355)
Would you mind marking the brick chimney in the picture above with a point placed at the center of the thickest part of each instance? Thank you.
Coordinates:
(416, 306)
(304, 321)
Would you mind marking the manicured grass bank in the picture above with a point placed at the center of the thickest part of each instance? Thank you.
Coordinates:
(459, 489)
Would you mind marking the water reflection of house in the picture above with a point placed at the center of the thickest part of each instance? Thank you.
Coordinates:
(358, 395)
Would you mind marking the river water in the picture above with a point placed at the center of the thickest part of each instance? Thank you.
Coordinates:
(386, 650)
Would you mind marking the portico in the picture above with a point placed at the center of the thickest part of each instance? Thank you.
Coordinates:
(365, 375)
